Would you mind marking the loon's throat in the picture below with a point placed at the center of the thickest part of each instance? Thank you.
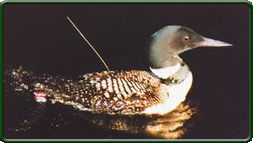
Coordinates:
(166, 72)
(172, 74)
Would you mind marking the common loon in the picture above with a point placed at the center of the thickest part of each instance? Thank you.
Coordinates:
(133, 92)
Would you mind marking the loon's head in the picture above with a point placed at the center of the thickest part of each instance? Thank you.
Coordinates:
(172, 40)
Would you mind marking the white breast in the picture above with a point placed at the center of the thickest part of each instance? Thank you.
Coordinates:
(173, 96)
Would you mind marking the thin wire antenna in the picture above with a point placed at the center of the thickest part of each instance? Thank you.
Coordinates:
(88, 43)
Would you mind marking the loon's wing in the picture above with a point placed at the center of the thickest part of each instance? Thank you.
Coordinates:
(125, 92)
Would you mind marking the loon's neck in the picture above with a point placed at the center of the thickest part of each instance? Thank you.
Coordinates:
(166, 72)
(172, 74)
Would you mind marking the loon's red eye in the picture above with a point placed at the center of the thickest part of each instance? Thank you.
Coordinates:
(186, 38)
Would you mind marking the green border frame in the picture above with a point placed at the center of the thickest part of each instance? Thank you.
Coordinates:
(128, 1)
(1, 72)
(120, 1)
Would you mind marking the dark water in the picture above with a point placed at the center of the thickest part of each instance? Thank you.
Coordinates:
(39, 37)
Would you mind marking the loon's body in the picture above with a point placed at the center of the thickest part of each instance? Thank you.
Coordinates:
(124, 92)
(131, 92)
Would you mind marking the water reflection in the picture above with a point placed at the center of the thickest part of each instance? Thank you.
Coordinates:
(170, 126)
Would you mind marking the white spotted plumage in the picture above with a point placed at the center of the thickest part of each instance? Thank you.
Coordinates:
(124, 92)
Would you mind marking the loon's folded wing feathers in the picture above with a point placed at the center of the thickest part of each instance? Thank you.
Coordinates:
(125, 92)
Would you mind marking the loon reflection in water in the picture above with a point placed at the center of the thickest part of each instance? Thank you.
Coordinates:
(170, 126)
(132, 101)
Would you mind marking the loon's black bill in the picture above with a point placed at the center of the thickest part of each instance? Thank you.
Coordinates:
(213, 43)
